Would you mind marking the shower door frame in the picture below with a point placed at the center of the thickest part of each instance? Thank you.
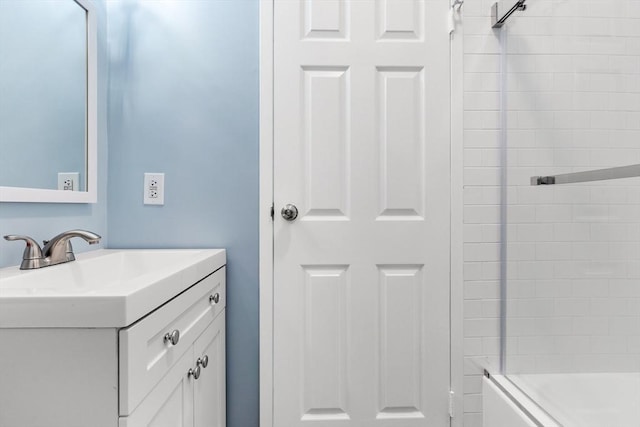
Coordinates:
(266, 243)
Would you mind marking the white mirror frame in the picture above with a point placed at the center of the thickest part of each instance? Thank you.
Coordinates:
(38, 195)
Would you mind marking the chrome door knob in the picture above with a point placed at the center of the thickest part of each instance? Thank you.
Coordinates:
(203, 361)
(195, 373)
(172, 337)
(289, 212)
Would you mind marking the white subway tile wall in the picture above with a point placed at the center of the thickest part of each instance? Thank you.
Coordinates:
(573, 104)
(481, 201)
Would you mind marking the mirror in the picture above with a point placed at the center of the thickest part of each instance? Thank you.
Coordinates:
(48, 101)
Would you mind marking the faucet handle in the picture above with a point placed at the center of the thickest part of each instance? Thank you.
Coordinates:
(31, 251)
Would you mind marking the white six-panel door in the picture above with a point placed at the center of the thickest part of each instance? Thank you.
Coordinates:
(361, 277)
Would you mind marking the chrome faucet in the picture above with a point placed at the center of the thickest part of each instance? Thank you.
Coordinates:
(55, 251)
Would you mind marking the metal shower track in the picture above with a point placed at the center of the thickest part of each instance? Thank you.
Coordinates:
(503, 9)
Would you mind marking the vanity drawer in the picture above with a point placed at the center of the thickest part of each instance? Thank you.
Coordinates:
(145, 356)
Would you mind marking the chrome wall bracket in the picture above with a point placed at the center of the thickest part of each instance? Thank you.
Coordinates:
(543, 180)
(503, 9)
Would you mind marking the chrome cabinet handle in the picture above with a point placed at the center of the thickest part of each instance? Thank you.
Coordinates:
(172, 337)
(203, 361)
(214, 299)
(289, 212)
(195, 373)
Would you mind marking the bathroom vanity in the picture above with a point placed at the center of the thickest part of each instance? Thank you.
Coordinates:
(118, 338)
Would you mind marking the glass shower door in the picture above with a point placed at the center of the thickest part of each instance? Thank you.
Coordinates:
(572, 203)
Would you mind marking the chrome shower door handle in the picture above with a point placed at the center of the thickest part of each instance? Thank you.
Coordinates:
(289, 212)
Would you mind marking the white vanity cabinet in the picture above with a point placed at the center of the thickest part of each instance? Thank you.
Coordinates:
(180, 400)
(165, 369)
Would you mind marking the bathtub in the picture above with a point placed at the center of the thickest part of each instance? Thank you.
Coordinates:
(567, 400)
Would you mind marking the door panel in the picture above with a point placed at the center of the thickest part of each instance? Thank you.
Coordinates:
(325, 148)
(324, 19)
(401, 343)
(401, 134)
(400, 20)
(361, 278)
(324, 363)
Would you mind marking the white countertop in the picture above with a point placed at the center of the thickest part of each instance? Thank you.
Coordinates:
(108, 288)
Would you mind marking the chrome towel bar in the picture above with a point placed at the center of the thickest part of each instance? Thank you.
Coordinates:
(620, 172)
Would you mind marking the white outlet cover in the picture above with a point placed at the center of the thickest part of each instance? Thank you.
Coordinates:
(153, 194)
(69, 181)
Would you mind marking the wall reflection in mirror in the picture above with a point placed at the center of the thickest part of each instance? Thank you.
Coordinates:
(43, 92)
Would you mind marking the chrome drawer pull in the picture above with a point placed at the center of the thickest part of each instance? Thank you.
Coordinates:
(195, 373)
(204, 361)
(214, 299)
(172, 337)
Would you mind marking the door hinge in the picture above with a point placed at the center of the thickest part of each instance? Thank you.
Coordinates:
(451, 407)
(272, 212)
(454, 14)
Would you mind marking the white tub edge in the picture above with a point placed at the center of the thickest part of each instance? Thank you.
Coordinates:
(504, 405)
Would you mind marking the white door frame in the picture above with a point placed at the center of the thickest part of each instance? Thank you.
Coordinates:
(265, 218)
(266, 222)
(457, 223)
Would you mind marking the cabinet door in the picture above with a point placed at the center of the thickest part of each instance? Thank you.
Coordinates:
(209, 394)
(170, 403)
(145, 357)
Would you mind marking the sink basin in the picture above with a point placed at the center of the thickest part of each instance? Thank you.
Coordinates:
(104, 288)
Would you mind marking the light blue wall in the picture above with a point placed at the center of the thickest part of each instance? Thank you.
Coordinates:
(184, 101)
(43, 221)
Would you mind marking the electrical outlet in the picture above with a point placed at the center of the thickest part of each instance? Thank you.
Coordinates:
(69, 181)
(153, 189)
